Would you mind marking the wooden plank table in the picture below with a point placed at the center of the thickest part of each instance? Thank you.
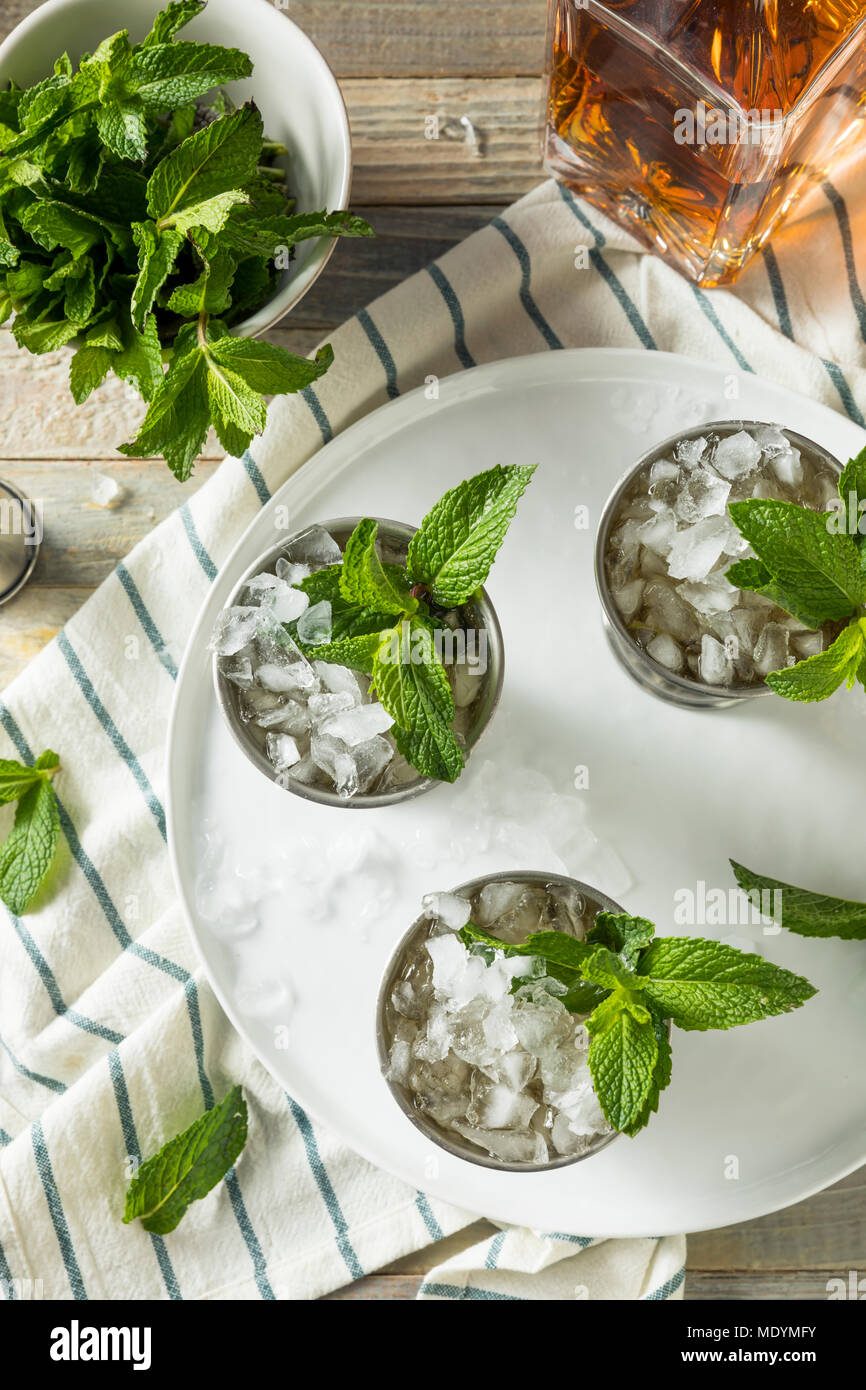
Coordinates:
(399, 61)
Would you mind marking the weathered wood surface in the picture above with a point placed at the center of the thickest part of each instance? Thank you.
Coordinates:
(401, 62)
(407, 38)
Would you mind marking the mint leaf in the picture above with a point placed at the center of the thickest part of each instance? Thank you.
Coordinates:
(601, 967)
(178, 416)
(88, 369)
(751, 574)
(458, 539)
(173, 18)
(818, 676)
(661, 1072)
(624, 935)
(27, 852)
(411, 683)
(188, 1167)
(624, 1064)
(15, 779)
(216, 160)
(270, 369)
(703, 984)
(161, 76)
(248, 231)
(140, 358)
(364, 579)
(821, 570)
(807, 914)
(563, 958)
(157, 254)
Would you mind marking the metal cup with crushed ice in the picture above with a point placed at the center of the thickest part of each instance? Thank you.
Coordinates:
(311, 725)
(481, 1053)
(665, 541)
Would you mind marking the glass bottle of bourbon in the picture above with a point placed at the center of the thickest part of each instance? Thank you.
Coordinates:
(697, 124)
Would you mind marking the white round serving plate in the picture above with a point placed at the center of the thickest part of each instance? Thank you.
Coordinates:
(756, 1118)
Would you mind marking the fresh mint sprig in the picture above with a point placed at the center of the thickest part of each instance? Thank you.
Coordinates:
(808, 564)
(142, 224)
(383, 615)
(798, 910)
(630, 983)
(187, 1167)
(27, 853)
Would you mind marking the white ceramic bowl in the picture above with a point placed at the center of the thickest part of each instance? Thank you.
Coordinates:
(295, 90)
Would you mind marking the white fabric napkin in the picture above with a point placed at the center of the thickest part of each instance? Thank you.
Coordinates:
(110, 1037)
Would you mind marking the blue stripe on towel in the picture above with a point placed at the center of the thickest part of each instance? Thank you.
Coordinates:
(52, 988)
(610, 278)
(382, 351)
(526, 298)
(55, 1209)
(198, 549)
(47, 1081)
(465, 1294)
(446, 289)
(723, 333)
(118, 741)
(428, 1217)
(326, 1190)
(837, 203)
(318, 414)
(151, 630)
(667, 1289)
(256, 477)
(130, 1139)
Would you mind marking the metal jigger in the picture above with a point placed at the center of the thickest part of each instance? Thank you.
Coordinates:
(20, 535)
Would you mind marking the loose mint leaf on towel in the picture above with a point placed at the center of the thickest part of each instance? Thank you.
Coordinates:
(703, 984)
(818, 676)
(820, 569)
(458, 539)
(27, 853)
(15, 779)
(188, 1167)
(807, 914)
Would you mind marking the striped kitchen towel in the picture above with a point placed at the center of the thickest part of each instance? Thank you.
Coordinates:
(110, 1037)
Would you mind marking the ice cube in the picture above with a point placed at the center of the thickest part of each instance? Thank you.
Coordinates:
(807, 644)
(358, 724)
(325, 705)
(627, 598)
(498, 1029)
(335, 760)
(288, 717)
(290, 572)
(260, 584)
(284, 603)
(306, 771)
(448, 908)
(664, 471)
(716, 595)
(771, 649)
(716, 667)
(496, 899)
(667, 612)
(659, 534)
(788, 467)
(296, 675)
(371, 758)
(495, 1106)
(279, 678)
(771, 439)
(516, 1069)
(736, 455)
(509, 1146)
(465, 683)
(314, 626)
(690, 451)
(240, 674)
(105, 491)
(282, 751)
(666, 652)
(696, 549)
(339, 680)
(703, 494)
(235, 628)
(314, 547)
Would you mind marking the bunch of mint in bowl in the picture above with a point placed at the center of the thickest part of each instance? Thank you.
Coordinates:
(524, 1020)
(690, 611)
(359, 661)
(144, 219)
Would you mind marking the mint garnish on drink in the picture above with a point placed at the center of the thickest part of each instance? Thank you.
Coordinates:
(143, 224)
(384, 617)
(811, 565)
(631, 983)
(802, 912)
(27, 853)
(188, 1166)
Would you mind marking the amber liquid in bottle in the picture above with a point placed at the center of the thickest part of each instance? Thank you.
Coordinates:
(622, 75)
